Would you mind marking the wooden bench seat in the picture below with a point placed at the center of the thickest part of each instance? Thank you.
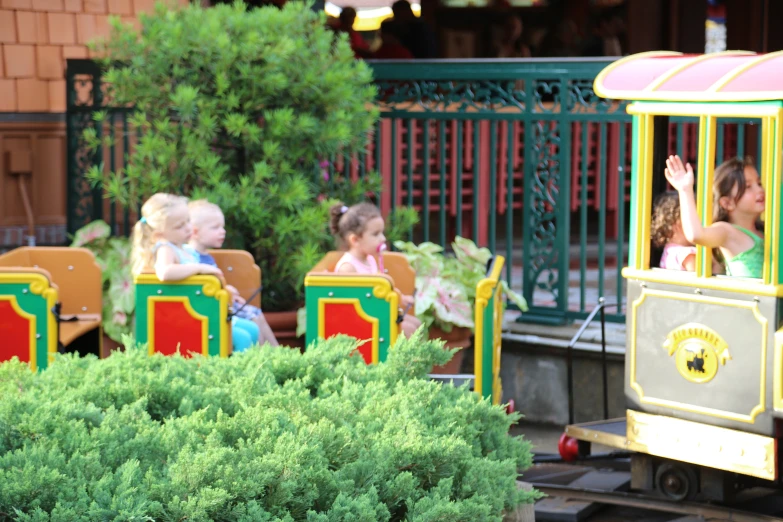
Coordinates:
(365, 307)
(240, 271)
(78, 281)
(395, 265)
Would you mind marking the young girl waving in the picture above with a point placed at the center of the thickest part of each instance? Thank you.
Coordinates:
(738, 202)
(159, 238)
(359, 229)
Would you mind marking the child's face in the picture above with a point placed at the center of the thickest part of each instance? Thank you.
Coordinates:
(211, 231)
(753, 199)
(371, 238)
(177, 229)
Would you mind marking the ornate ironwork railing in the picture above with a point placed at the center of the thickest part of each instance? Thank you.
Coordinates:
(499, 150)
(519, 155)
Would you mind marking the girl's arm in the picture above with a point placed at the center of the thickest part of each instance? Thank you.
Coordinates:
(168, 269)
(681, 178)
(689, 263)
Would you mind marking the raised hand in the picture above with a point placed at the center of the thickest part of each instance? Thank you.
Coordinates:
(680, 177)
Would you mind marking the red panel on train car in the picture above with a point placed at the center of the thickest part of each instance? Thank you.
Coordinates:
(342, 318)
(15, 333)
(176, 328)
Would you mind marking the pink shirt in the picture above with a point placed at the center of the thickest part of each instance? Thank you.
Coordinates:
(674, 256)
(370, 267)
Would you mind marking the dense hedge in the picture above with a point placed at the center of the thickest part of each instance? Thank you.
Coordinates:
(262, 436)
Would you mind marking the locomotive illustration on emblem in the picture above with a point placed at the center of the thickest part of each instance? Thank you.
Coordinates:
(698, 351)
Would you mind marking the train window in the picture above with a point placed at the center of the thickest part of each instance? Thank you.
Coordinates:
(670, 250)
(683, 233)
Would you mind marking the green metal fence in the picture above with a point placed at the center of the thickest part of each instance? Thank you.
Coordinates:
(500, 135)
(519, 155)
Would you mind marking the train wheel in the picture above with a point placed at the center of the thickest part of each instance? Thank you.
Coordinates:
(676, 481)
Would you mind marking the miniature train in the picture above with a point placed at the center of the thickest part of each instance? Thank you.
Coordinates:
(704, 353)
(366, 307)
(51, 296)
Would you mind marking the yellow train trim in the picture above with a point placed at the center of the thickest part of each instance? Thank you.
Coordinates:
(739, 285)
(686, 441)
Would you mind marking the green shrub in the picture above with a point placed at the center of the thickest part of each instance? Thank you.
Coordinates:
(248, 109)
(268, 435)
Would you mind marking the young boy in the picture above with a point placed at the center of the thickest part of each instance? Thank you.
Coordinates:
(209, 232)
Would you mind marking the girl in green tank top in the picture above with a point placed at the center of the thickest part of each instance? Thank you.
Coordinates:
(738, 203)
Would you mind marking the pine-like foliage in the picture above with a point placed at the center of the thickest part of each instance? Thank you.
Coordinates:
(248, 109)
(267, 435)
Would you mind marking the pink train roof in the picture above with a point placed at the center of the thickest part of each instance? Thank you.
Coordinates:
(670, 76)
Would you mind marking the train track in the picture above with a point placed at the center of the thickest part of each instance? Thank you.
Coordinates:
(640, 501)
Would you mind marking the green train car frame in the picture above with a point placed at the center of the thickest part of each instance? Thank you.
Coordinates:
(688, 420)
(50, 298)
(367, 306)
(188, 316)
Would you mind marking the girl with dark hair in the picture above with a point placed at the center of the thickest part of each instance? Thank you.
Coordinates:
(359, 231)
(738, 203)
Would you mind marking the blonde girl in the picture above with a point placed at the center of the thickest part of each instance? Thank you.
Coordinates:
(359, 231)
(738, 203)
(159, 239)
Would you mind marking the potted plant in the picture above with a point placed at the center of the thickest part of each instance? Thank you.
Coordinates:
(446, 291)
(246, 108)
(113, 256)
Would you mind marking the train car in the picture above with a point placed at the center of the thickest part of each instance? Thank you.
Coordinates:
(193, 315)
(50, 300)
(704, 352)
(367, 307)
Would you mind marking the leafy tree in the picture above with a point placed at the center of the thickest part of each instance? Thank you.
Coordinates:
(247, 109)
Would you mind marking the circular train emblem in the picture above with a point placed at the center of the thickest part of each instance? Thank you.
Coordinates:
(698, 351)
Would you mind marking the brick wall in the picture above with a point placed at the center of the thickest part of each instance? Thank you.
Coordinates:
(37, 36)
(36, 39)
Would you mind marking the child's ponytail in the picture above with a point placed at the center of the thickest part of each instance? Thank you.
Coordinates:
(154, 213)
(336, 212)
(141, 255)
